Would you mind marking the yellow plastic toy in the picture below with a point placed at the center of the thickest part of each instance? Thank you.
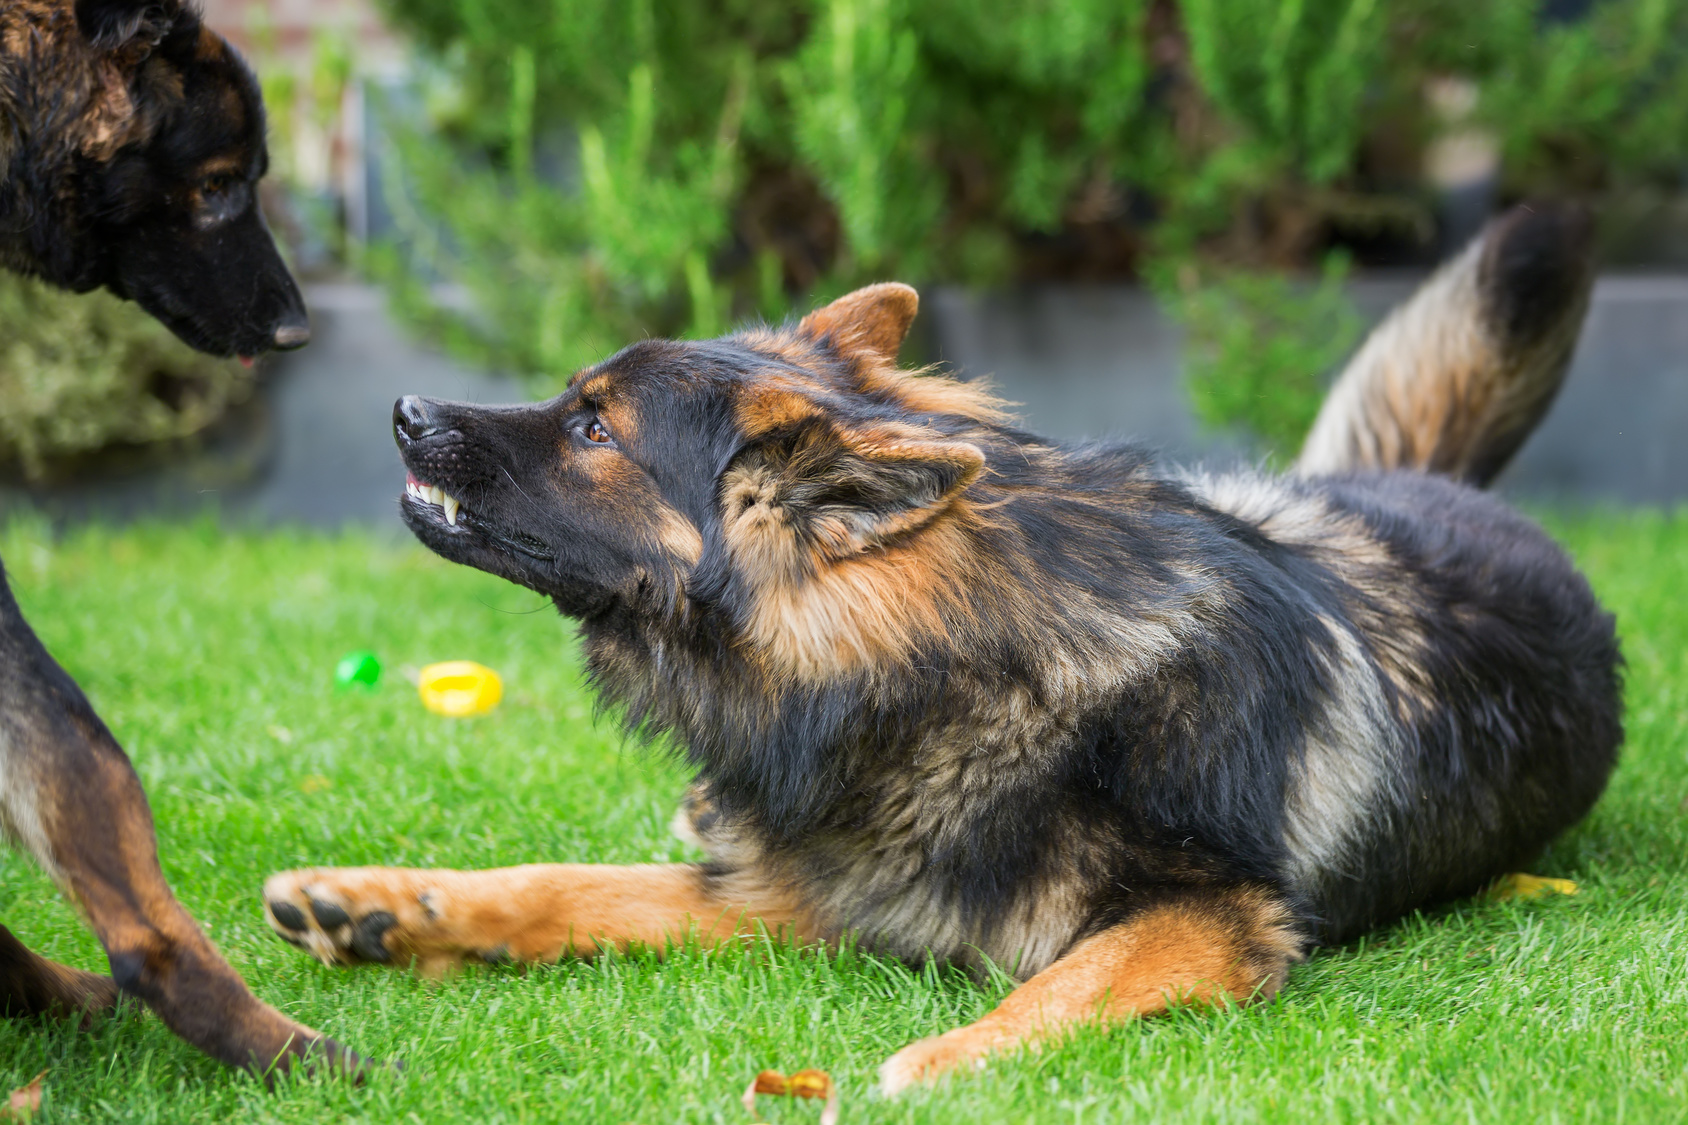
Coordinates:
(459, 688)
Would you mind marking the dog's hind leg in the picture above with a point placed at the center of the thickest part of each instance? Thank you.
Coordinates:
(31, 985)
(1454, 380)
(69, 797)
(537, 912)
(1199, 947)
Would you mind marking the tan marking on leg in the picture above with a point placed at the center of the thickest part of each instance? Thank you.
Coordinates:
(537, 912)
(1234, 945)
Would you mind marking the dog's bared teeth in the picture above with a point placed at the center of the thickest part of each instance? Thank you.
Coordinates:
(434, 494)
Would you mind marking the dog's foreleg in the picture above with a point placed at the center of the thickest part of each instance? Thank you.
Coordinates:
(538, 912)
(105, 856)
(69, 796)
(1201, 947)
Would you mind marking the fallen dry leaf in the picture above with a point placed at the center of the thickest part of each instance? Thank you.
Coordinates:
(803, 1084)
(25, 1100)
(1520, 886)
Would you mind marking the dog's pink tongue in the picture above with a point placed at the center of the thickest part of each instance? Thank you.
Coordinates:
(245, 361)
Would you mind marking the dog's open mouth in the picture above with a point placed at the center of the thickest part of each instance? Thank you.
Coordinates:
(433, 496)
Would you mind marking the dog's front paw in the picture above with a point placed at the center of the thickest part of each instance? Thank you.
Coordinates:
(925, 1060)
(355, 915)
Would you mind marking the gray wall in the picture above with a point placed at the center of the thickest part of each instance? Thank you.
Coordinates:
(316, 448)
(1096, 362)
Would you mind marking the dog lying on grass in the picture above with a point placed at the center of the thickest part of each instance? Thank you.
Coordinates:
(1136, 734)
(131, 144)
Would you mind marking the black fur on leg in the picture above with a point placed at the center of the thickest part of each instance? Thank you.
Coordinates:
(31, 985)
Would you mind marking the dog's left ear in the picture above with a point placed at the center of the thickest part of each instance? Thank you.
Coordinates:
(871, 321)
(860, 488)
(111, 25)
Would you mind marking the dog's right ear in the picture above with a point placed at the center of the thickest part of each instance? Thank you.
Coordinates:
(111, 25)
(870, 321)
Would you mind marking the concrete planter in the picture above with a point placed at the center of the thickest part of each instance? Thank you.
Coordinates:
(1093, 362)
(1084, 361)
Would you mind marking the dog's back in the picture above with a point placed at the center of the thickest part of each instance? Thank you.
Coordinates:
(1452, 598)
(1473, 711)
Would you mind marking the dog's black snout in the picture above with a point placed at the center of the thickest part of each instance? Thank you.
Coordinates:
(294, 332)
(412, 418)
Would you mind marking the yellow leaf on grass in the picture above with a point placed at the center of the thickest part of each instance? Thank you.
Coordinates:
(24, 1102)
(1518, 886)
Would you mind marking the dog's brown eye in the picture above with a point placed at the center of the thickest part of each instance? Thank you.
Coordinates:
(214, 185)
(595, 432)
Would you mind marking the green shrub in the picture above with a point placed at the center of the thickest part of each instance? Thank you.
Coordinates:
(1259, 347)
(82, 372)
(593, 171)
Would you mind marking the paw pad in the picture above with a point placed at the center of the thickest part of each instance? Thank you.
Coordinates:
(328, 915)
(286, 914)
(366, 936)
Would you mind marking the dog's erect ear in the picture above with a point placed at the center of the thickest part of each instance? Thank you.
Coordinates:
(113, 24)
(858, 489)
(873, 320)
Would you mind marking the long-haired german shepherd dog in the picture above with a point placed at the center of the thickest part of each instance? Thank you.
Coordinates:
(1136, 735)
(131, 143)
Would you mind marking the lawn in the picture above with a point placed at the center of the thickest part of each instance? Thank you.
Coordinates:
(211, 654)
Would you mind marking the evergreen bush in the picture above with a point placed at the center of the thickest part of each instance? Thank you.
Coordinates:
(597, 170)
(79, 373)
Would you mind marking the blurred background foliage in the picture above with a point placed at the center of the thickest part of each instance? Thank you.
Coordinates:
(559, 177)
(84, 372)
(593, 171)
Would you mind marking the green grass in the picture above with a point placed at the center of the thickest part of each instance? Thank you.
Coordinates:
(211, 654)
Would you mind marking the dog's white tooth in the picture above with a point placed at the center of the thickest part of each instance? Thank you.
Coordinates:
(450, 505)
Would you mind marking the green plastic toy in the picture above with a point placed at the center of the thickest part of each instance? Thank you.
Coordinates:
(358, 669)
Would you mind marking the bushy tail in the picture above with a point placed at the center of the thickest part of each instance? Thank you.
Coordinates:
(1455, 379)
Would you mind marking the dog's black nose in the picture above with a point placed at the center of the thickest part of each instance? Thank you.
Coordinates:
(412, 419)
(294, 332)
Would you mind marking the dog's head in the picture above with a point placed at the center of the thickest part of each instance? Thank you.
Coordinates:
(792, 481)
(151, 190)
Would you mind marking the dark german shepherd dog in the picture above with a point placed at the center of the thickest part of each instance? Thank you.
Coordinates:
(1135, 734)
(131, 143)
